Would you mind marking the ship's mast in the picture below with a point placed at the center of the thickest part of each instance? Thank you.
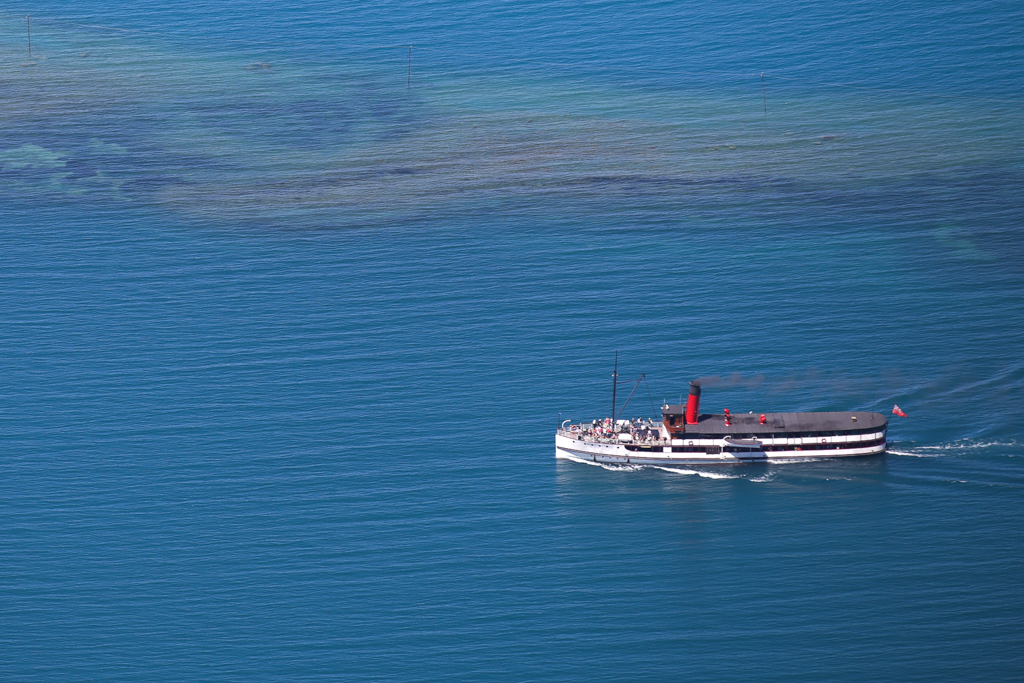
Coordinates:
(615, 382)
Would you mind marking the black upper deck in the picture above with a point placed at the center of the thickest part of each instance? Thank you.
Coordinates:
(780, 424)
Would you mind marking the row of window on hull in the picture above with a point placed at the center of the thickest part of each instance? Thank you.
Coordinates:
(769, 449)
(780, 435)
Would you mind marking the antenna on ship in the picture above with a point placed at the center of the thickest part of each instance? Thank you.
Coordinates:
(615, 383)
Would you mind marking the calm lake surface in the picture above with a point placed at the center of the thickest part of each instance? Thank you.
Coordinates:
(290, 314)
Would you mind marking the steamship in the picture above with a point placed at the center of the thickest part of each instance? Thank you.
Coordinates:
(684, 436)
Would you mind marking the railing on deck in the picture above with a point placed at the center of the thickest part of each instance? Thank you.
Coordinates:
(592, 438)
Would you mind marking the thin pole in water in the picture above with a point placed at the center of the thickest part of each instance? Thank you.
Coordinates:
(764, 94)
(615, 382)
(28, 27)
(408, 81)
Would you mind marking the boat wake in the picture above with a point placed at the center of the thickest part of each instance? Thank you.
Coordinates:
(611, 467)
(699, 473)
(952, 448)
(968, 445)
(911, 454)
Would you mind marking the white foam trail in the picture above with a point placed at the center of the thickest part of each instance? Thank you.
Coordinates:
(708, 475)
(611, 467)
(964, 445)
(636, 468)
(620, 468)
(915, 455)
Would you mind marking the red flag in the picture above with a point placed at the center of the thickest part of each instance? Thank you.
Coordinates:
(896, 411)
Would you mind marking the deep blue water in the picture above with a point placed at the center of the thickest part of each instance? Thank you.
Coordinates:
(286, 332)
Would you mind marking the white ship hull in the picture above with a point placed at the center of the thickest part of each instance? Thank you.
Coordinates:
(687, 452)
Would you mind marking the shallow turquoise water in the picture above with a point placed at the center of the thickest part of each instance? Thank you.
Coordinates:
(285, 340)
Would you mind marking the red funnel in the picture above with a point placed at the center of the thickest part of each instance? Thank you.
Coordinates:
(693, 403)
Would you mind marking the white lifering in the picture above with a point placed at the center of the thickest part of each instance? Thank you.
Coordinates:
(824, 440)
